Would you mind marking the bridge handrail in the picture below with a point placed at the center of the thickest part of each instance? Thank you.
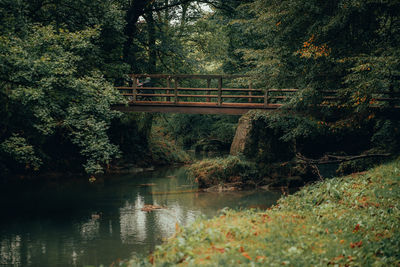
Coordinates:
(175, 91)
(269, 97)
(190, 76)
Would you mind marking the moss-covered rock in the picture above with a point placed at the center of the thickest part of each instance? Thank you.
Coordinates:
(259, 142)
(242, 135)
(220, 171)
(260, 139)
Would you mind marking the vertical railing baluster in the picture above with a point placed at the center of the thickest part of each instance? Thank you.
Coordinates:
(208, 86)
(250, 93)
(219, 91)
(176, 90)
(266, 98)
(168, 86)
(134, 84)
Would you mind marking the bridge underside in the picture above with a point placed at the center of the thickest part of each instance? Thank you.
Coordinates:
(193, 107)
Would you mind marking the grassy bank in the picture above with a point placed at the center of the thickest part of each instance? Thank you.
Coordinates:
(238, 171)
(219, 171)
(347, 221)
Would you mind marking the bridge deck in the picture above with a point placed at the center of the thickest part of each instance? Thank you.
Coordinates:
(193, 107)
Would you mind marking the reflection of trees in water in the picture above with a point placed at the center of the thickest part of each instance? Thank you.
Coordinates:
(10, 251)
(137, 226)
(90, 229)
(219, 200)
(165, 221)
(208, 203)
(133, 221)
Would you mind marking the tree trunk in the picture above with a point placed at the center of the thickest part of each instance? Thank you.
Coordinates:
(152, 55)
(135, 10)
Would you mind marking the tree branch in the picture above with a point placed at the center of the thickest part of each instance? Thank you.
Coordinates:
(329, 159)
(212, 3)
(160, 8)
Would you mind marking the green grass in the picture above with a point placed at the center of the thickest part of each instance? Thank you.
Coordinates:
(347, 221)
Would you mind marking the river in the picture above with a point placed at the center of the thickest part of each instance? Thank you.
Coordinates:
(72, 222)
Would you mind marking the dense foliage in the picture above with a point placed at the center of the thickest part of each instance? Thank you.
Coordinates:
(60, 59)
(347, 50)
(48, 95)
(201, 132)
(164, 149)
(350, 221)
(347, 45)
(55, 101)
(343, 58)
(59, 63)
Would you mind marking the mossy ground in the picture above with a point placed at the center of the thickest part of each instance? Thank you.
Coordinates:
(347, 221)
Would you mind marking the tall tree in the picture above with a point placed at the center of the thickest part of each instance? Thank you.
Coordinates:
(53, 87)
(349, 47)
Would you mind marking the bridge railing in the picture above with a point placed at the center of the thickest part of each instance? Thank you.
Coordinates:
(172, 89)
(210, 90)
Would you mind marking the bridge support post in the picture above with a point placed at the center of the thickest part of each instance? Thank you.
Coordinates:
(219, 91)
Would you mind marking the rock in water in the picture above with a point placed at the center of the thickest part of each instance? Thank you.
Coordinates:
(148, 208)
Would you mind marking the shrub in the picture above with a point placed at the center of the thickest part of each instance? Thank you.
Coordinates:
(164, 150)
(216, 171)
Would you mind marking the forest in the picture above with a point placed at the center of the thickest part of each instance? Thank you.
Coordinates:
(62, 60)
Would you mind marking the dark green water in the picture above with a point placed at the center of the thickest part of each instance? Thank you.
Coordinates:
(72, 222)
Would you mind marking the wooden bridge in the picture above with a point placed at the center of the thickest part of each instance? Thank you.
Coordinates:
(201, 94)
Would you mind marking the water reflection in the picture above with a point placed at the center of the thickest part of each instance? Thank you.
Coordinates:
(90, 230)
(10, 251)
(133, 222)
(74, 223)
(166, 220)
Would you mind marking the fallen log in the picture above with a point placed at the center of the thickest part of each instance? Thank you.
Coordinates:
(329, 159)
(332, 159)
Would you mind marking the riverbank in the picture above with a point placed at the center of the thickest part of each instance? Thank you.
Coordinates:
(236, 173)
(161, 151)
(348, 221)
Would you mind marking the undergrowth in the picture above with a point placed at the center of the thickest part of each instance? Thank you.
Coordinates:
(164, 150)
(209, 172)
(347, 221)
